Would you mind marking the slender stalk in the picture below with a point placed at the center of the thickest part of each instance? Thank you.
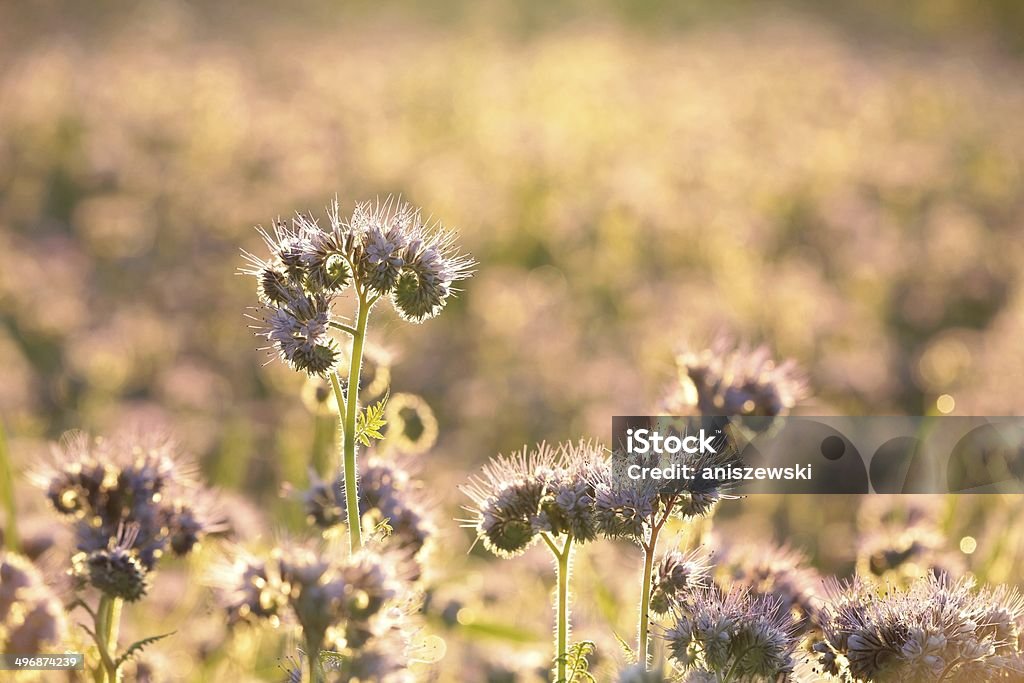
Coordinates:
(564, 567)
(650, 548)
(348, 408)
(108, 626)
(645, 597)
(735, 664)
(563, 609)
(10, 529)
(316, 669)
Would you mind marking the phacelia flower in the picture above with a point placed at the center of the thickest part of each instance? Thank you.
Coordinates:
(355, 607)
(130, 482)
(31, 616)
(936, 629)
(384, 249)
(676, 576)
(732, 632)
(728, 380)
(545, 490)
(387, 493)
(627, 507)
(780, 572)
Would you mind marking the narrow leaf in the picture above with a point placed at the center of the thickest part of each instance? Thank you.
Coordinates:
(137, 647)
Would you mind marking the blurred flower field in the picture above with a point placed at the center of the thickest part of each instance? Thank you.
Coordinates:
(850, 197)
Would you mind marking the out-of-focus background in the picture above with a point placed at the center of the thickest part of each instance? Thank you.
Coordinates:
(842, 181)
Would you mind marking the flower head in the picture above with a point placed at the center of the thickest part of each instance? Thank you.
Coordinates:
(384, 249)
(935, 629)
(626, 506)
(730, 380)
(353, 606)
(544, 490)
(132, 499)
(780, 572)
(748, 636)
(387, 494)
(676, 576)
(115, 571)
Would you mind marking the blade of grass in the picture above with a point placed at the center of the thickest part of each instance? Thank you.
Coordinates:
(7, 493)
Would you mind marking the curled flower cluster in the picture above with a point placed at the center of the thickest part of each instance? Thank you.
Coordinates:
(782, 573)
(545, 490)
(384, 249)
(351, 608)
(729, 380)
(936, 630)
(132, 500)
(676, 576)
(627, 507)
(31, 616)
(387, 493)
(734, 633)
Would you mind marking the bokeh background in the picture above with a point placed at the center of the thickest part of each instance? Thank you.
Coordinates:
(845, 184)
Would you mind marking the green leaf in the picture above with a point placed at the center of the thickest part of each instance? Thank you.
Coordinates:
(577, 664)
(631, 655)
(137, 647)
(383, 530)
(370, 422)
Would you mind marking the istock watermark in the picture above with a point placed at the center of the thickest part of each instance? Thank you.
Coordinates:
(822, 455)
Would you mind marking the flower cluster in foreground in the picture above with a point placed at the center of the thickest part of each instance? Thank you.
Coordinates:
(743, 636)
(383, 250)
(938, 629)
(132, 498)
(353, 610)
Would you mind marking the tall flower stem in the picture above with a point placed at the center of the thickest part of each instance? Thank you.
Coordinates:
(316, 668)
(645, 598)
(348, 408)
(563, 558)
(650, 548)
(108, 625)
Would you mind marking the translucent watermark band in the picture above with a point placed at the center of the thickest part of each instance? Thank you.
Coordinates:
(823, 455)
(71, 661)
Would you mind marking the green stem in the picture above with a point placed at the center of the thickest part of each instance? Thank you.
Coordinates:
(651, 547)
(10, 537)
(562, 557)
(735, 664)
(108, 625)
(645, 597)
(351, 409)
(316, 669)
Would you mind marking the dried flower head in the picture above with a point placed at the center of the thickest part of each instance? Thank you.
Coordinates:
(31, 617)
(735, 633)
(730, 380)
(544, 490)
(935, 630)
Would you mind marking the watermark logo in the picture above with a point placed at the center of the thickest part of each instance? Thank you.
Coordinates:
(850, 455)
